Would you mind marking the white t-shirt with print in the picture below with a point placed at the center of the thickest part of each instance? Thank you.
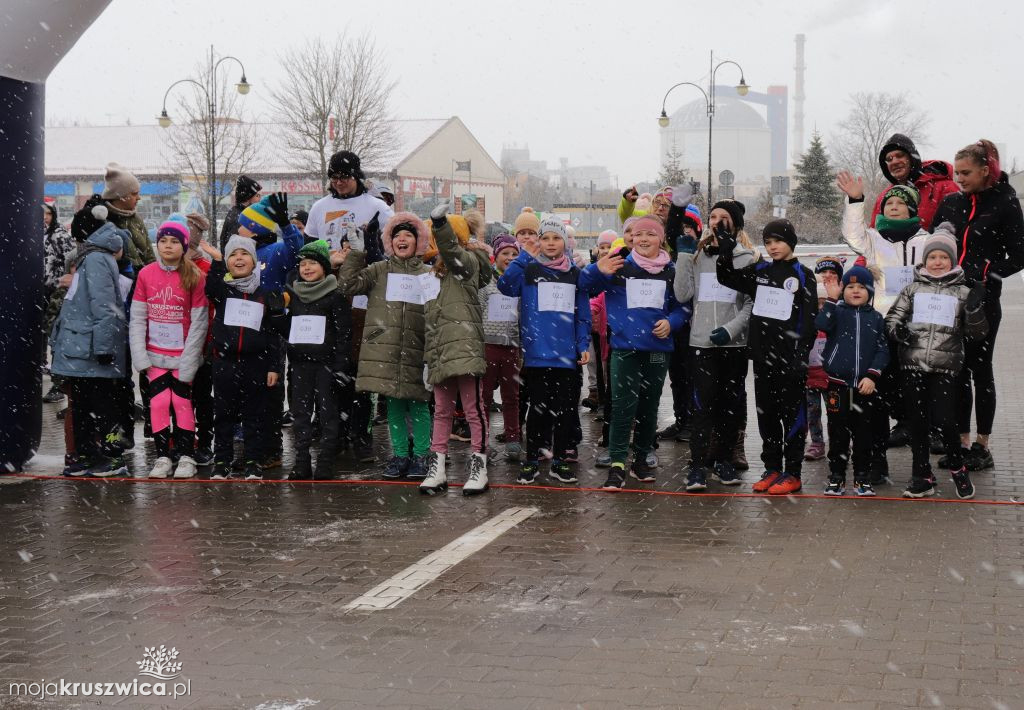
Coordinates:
(330, 216)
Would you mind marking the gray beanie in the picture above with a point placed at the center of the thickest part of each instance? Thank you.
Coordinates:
(943, 239)
(119, 182)
(551, 224)
(237, 241)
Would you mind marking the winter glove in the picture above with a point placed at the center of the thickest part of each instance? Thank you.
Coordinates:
(901, 333)
(355, 239)
(720, 336)
(631, 195)
(374, 245)
(685, 244)
(975, 298)
(105, 358)
(682, 195)
(277, 207)
(726, 239)
(439, 215)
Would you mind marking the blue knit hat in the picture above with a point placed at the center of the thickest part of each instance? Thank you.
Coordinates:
(859, 275)
(257, 219)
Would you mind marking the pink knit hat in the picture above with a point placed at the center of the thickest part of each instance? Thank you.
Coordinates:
(172, 228)
(606, 237)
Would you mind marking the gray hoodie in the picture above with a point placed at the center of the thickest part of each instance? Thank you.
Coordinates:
(731, 313)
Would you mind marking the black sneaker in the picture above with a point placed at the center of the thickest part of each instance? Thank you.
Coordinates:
(965, 458)
(253, 471)
(528, 473)
(641, 471)
(836, 486)
(616, 478)
(696, 478)
(863, 489)
(962, 481)
(899, 436)
(78, 467)
(203, 457)
(920, 487)
(684, 434)
(222, 472)
(108, 466)
(53, 396)
(671, 431)
(417, 470)
(395, 468)
(238, 464)
(935, 445)
(725, 473)
(562, 471)
(979, 458)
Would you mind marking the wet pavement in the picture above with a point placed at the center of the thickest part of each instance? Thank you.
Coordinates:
(579, 599)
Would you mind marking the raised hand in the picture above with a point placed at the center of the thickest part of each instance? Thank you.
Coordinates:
(610, 263)
(277, 206)
(853, 187)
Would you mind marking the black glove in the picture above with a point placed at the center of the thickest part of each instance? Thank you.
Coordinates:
(901, 333)
(372, 240)
(105, 358)
(277, 207)
(726, 239)
(975, 298)
(720, 336)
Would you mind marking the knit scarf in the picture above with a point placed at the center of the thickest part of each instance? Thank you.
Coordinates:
(653, 265)
(245, 284)
(897, 230)
(562, 263)
(310, 291)
(117, 211)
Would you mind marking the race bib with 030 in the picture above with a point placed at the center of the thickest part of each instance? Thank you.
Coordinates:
(935, 308)
(242, 313)
(712, 291)
(774, 303)
(645, 293)
(167, 336)
(502, 309)
(307, 330)
(560, 298)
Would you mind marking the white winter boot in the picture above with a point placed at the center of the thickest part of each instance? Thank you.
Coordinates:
(436, 480)
(477, 481)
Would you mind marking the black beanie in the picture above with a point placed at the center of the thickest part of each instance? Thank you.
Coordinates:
(345, 163)
(735, 209)
(780, 229)
(246, 188)
(87, 220)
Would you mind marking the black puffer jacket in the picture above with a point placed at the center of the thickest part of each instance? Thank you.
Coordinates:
(989, 233)
(235, 342)
(336, 349)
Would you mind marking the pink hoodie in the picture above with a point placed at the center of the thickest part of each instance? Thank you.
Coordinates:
(161, 331)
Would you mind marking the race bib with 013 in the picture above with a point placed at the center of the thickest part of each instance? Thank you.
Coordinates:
(935, 308)
(168, 336)
(645, 293)
(712, 291)
(560, 298)
(774, 303)
(242, 313)
(404, 288)
(307, 330)
(502, 309)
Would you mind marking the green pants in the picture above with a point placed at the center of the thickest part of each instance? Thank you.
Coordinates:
(637, 380)
(419, 414)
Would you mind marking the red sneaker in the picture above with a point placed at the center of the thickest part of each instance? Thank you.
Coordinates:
(784, 485)
(768, 479)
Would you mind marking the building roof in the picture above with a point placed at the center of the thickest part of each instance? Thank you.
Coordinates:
(86, 150)
(730, 112)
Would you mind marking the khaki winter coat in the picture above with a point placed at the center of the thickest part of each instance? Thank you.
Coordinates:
(391, 354)
(140, 251)
(455, 333)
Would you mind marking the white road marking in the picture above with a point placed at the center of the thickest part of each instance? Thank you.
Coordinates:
(394, 591)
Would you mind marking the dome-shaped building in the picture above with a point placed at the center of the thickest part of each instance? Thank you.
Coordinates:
(741, 140)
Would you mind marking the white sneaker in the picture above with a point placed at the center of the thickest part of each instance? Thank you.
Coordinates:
(436, 480)
(477, 481)
(186, 467)
(161, 467)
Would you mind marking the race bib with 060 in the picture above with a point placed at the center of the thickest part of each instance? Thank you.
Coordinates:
(405, 288)
(560, 298)
(167, 336)
(242, 313)
(774, 303)
(935, 308)
(308, 330)
(502, 309)
(712, 291)
(645, 293)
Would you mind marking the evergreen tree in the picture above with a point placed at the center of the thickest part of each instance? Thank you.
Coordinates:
(814, 205)
(672, 171)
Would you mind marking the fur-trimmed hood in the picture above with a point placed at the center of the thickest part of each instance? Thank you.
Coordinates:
(422, 232)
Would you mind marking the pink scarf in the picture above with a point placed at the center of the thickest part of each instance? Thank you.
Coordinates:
(651, 266)
(562, 263)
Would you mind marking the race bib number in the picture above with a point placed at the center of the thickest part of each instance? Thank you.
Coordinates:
(896, 278)
(502, 309)
(774, 303)
(73, 288)
(404, 288)
(307, 330)
(815, 359)
(712, 291)
(645, 293)
(124, 285)
(360, 302)
(167, 336)
(935, 308)
(430, 287)
(560, 298)
(242, 313)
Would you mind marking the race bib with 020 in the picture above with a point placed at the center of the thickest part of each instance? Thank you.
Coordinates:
(404, 288)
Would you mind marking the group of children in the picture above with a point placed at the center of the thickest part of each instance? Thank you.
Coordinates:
(449, 319)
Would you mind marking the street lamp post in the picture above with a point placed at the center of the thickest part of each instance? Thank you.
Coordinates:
(210, 92)
(709, 98)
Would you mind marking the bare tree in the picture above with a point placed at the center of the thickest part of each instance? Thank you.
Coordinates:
(343, 83)
(195, 136)
(873, 117)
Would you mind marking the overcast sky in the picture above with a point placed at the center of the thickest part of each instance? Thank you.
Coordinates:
(583, 80)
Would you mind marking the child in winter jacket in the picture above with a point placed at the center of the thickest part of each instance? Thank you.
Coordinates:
(856, 352)
(555, 331)
(455, 343)
(246, 352)
(501, 346)
(828, 269)
(391, 362)
(319, 325)
(781, 335)
(718, 340)
(167, 331)
(642, 314)
(929, 320)
(598, 335)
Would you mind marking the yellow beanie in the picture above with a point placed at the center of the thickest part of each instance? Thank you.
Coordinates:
(527, 219)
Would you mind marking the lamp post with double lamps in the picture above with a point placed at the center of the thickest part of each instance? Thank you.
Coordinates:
(709, 99)
(210, 92)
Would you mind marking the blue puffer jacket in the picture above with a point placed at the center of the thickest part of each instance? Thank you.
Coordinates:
(92, 319)
(278, 258)
(549, 338)
(632, 327)
(856, 346)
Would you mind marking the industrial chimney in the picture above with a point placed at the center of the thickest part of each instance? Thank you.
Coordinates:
(798, 101)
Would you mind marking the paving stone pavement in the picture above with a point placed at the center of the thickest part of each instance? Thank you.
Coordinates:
(595, 600)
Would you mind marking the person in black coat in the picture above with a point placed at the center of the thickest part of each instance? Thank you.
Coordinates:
(247, 191)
